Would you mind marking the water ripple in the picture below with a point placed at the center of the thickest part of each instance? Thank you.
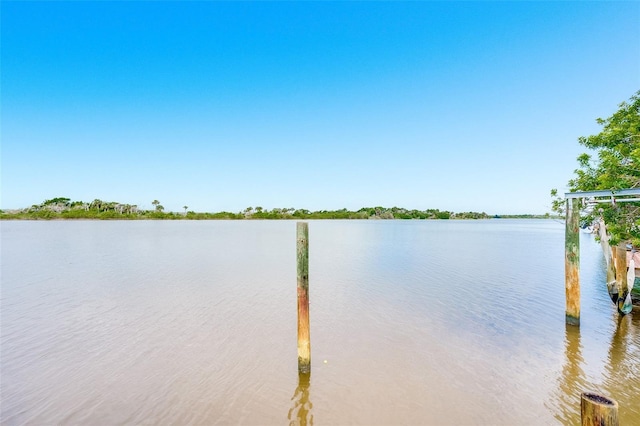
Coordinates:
(419, 322)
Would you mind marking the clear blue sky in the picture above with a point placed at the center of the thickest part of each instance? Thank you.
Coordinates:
(319, 105)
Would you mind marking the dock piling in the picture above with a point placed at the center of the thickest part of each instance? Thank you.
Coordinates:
(598, 410)
(572, 262)
(621, 269)
(304, 344)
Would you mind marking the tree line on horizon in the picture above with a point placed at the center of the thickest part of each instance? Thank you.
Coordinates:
(64, 208)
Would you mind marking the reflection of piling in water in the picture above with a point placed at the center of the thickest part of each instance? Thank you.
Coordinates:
(300, 413)
(572, 379)
(304, 345)
(618, 349)
(622, 366)
(573, 382)
(573, 374)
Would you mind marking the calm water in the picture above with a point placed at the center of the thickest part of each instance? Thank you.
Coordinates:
(419, 322)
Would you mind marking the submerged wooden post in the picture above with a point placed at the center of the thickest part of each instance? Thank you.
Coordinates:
(572, 262)
(304, 344)
(598, 410)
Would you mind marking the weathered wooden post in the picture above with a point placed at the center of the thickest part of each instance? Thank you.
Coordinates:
(304, 344)
(621, 269)
(598, 410)
(572, 262)
(607, 250)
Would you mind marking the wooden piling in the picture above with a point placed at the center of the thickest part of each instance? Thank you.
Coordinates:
(572, 262)
(598, 410)
(608, 252)
(304, 344)
(621, 269)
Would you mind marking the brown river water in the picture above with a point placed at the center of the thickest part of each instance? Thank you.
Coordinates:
(412, 322)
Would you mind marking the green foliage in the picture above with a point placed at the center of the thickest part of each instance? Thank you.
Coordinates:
(614, 164)
(210, 216)
(617, 146)
(79, 214)
(44, 214)
(60, 200)
(64, 208)
(471, 215)
(158, 206)
(527, 216)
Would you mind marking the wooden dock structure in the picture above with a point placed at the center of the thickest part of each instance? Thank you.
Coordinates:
(617, 260)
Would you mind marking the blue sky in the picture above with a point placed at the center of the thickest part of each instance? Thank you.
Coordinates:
(463, 106)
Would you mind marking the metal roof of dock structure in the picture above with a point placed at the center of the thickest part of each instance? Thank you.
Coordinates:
(619, 195)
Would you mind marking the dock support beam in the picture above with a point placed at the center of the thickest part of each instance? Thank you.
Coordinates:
(572, 262)
(304, 344)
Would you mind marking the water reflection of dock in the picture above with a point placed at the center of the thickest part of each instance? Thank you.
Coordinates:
(618, 378)
(572, 379)
(301, 413)
(621, 369)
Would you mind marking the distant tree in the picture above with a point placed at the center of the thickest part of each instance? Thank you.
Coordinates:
(156, 204)
(96, 204)
(185, 209)
(59, 201)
